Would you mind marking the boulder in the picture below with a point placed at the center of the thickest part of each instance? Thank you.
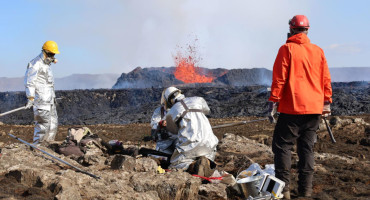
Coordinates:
(242, 145)
(174, 185)
(213, 191)
(129, 163)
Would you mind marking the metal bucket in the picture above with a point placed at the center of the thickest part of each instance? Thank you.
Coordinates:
(249, 186)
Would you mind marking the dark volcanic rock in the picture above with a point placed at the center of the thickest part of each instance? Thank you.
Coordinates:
(243, 77)
(147, 78)
(137, 105)
(351, 98)
(164, 77)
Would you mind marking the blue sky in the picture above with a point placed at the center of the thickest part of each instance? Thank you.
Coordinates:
(118, 36)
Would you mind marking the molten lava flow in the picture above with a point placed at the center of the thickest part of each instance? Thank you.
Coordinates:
(187, 72)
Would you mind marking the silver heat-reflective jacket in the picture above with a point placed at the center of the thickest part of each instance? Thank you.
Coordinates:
(156, 117)
(195, 135)
(39, 83)
(163, 145)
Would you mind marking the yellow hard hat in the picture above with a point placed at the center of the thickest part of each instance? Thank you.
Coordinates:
(51, 46)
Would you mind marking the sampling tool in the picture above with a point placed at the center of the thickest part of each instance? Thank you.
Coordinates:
(238, 123)
(11, 111)
(60, 160)
(329, 131)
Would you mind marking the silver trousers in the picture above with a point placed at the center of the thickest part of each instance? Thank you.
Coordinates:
(46, 124)
(167, 146)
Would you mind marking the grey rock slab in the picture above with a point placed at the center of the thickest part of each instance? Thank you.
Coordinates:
(173, 185)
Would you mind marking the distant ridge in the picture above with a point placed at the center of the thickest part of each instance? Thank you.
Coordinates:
(86, 81)
(163, 77)
(349, 74)
(74, 81)
(11, 84)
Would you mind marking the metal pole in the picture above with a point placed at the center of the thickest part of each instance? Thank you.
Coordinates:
(329, 131)
(238, 123)
(11, 111)
(60, 160)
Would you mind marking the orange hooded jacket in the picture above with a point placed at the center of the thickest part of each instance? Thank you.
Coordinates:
(301, 79)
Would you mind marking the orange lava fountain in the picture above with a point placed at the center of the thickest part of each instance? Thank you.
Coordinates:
(187, 71)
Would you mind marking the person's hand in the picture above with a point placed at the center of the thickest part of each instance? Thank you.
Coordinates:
(326, 111)
(272, 111)
(162, 123)
(29, 103)
(164, 134)
(147, 138)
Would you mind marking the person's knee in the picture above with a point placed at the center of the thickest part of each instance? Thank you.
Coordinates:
(38, 137)
(305, 148)
(41, 128)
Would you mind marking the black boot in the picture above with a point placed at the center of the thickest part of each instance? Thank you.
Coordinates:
(304, 193)
(286, 193)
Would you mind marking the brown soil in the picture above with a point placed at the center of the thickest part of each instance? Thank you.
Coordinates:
(346, 178)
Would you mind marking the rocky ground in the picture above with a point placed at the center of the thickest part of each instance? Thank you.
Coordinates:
(342, 170)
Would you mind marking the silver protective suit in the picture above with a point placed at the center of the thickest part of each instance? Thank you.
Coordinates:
(163, 145)
(195, 135)
(39, 83)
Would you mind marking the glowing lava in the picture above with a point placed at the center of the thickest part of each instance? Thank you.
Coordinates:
(187, 71)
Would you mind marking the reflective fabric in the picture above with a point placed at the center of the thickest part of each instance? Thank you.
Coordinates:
(39, 83)
(195, 135)
(156, 117)
(46, 124)
(163, 145)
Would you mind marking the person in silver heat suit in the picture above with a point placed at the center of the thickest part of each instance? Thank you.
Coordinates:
(39, 83)
(195, 136)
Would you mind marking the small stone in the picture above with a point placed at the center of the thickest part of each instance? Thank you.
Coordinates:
(117, 162)
(334, 120)
(358, 120)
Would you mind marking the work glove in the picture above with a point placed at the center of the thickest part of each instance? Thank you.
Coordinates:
(326, 110)
(164, 134)
(147, 138)
(29, 103)
(162, 130)
(272, 111)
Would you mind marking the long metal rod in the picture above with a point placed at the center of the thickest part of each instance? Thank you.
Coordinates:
(11, 111)
(60, 160)
(329, 131)
(238, 123)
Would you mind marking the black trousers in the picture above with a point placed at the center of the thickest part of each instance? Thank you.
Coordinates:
(288, 130)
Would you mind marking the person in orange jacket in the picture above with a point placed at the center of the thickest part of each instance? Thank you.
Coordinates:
(301, 92)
